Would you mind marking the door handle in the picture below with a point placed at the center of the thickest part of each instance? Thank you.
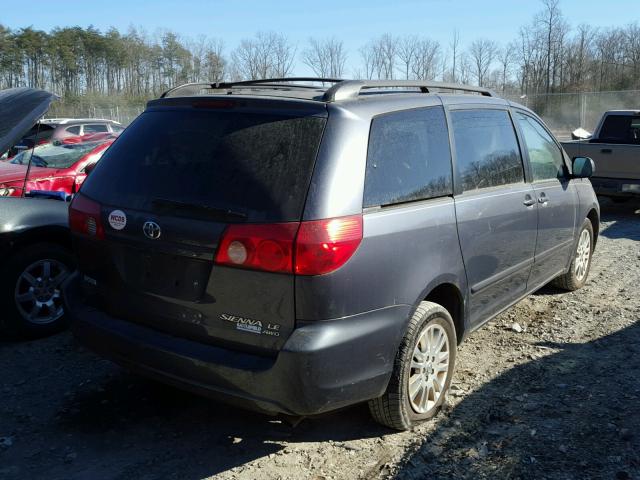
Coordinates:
(606, 150)
(528, 201)
(543, 199)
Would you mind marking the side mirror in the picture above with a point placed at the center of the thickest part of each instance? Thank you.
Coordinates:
(583, 167)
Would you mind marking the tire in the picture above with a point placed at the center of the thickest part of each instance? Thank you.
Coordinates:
(19, 280)
(578, 272)
(395, 409)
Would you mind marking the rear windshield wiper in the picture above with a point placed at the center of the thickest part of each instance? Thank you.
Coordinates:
(198, 208)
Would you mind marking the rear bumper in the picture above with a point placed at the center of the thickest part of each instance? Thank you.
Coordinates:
(322, 366)
(616, 187)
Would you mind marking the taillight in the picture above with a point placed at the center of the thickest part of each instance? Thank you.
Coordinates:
(306, 248)
(323, 246)
(260, 247)
(84, 217)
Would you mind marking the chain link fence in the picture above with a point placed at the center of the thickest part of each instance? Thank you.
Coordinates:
(124, 115)
(564, 112)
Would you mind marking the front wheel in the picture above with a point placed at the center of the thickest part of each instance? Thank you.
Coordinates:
(422, 370)
(578, 272)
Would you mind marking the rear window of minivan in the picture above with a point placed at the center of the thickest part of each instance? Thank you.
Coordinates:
(255, 164)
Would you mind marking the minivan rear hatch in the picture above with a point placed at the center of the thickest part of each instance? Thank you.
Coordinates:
(184, 172)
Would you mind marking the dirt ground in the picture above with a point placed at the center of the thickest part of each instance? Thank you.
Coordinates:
(555, 396)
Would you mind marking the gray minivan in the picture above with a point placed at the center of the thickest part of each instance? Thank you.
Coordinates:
(295, 249)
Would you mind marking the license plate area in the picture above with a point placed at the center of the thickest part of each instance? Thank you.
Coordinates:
(164, 274)
(631, 187)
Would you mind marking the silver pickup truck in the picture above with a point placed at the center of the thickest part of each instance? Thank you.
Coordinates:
(615, 149)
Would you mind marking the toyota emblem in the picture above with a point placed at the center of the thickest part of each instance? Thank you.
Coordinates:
(151, 230)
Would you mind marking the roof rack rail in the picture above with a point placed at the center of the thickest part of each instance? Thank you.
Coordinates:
(350, 89)
(341, 89)
(263, 83)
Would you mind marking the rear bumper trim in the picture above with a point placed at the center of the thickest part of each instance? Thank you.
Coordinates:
(317, 370)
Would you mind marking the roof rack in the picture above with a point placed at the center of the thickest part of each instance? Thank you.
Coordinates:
(340, 90)
(350, 89)
(276, 83)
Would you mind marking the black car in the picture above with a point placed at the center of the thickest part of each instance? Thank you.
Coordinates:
(35, 255)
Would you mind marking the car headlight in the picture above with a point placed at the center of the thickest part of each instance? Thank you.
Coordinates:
(6, 191)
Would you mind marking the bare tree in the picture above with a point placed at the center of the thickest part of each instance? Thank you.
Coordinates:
(370, 61)
(215, 63)
(455, 43)
(550, 21)
(379, 57)
(284, 55)
(577, 58)
(483, 53)
(327, 58)
(207, 61)
(506, 58)
(427, 59)
(632, 52)
(465, 68)
(268, 54)
(388, 48)
(407, 52)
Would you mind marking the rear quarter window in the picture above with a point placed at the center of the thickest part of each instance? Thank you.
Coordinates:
(621, 129)
(408, 157)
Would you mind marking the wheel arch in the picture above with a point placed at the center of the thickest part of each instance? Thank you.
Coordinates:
(449, 295)
(594, 218)
(47, 234)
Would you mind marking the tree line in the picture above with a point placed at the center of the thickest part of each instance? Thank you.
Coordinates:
(547, 56)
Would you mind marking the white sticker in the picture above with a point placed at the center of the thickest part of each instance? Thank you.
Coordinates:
(117, 219)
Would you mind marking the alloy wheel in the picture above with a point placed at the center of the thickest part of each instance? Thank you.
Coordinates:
(583, 253)
(429, 368)
(37, 293)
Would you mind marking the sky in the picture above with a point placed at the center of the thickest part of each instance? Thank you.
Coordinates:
(355, 22)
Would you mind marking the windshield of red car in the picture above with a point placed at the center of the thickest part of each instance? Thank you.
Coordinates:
(54, 156)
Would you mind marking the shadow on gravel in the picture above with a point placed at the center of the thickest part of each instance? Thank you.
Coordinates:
(128, 427)
(572, 414)
(625, 217)
(548, 290)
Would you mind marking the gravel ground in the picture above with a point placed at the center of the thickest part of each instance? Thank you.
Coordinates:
(549, 389)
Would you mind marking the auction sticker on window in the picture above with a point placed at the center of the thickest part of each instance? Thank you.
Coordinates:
(117, 219)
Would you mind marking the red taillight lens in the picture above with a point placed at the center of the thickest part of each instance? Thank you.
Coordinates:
(323, 246)
(260, 247)
(84, 217)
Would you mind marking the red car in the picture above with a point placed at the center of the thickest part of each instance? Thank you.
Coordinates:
(58, 168)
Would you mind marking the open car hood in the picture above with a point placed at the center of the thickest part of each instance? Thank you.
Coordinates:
(20, 109)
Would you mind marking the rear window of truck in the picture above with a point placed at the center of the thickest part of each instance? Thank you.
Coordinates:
(621, 129)
(258, 164)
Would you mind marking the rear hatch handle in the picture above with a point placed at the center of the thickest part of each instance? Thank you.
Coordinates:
(174, 205)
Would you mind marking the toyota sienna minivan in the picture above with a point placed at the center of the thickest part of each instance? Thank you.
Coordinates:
(295, 249)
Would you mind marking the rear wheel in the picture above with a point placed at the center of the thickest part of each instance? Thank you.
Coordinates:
(30, 290)
(422, 371)
(578, 272)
